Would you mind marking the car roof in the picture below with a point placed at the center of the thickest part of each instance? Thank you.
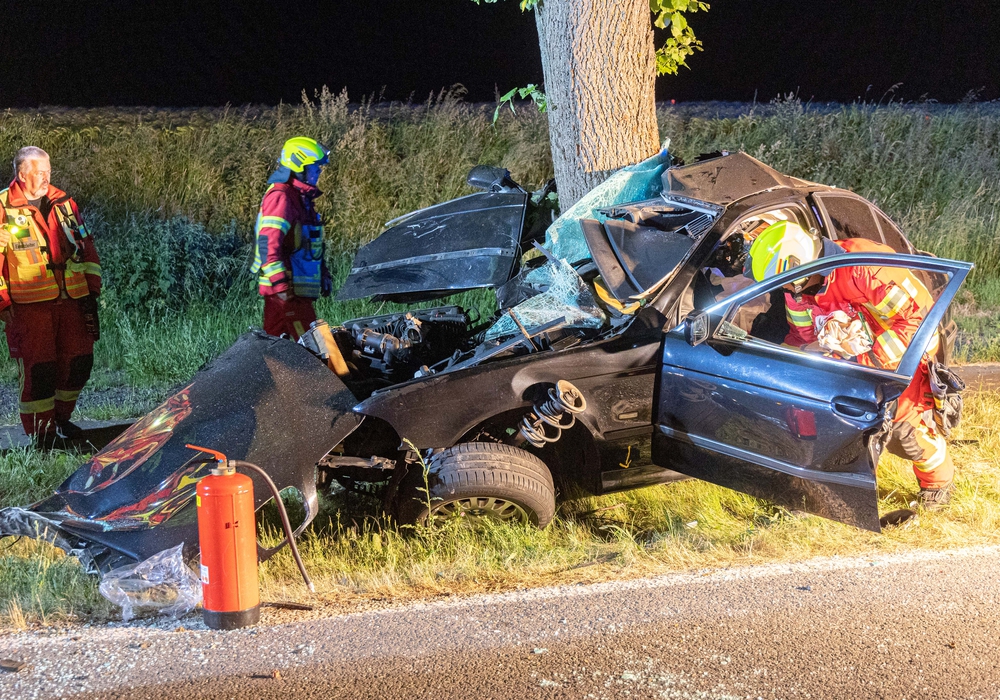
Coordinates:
(728, 179)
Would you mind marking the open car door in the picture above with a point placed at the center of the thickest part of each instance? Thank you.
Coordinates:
(800, 429)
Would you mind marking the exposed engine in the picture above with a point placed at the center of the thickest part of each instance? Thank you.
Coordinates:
(396, 346)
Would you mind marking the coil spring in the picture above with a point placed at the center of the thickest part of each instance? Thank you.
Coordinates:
(564, 402)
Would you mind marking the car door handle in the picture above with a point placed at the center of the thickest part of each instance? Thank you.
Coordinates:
(854, 408)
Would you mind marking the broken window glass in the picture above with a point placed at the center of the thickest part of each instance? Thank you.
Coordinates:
(630, 184)
(544, 294)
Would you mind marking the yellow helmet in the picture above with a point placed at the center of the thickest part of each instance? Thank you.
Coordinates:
(301, 151)
(780, 247)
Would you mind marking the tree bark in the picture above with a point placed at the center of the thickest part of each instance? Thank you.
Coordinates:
(599, 64)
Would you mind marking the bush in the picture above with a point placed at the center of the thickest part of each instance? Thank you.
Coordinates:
(155, 265)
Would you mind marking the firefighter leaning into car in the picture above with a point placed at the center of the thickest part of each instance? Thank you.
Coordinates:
(892, 303)
(50, 280)
(289, 261)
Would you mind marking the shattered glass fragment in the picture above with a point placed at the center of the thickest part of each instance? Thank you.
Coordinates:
(559, 292)
(630, 184)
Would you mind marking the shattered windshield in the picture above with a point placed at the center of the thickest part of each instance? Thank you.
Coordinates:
(544, 294)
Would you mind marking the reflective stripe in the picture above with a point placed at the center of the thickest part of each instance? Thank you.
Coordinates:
(891, 345)
(87, 268)
(40, 406)
(31, 280)
(63, 395)
(802, 318)
(310, 291)
(273, 268)
(893, 302)
(273, 222)
(934, 447)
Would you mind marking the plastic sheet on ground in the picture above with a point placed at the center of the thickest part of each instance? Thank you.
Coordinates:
(163, 584)
(559, 292)
(632, 183)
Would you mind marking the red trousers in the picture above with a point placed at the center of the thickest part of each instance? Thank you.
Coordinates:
(291, 317)
(915, 435)
(54, 355)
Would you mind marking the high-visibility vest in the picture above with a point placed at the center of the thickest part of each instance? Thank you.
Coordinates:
(903, 297)
(31, 272)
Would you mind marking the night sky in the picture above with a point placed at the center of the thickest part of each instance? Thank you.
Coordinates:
(149, 52)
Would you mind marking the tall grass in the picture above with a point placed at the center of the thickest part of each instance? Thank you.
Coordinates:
(172, 195)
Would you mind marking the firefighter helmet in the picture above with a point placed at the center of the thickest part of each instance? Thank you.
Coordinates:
(301, 151)
(780, 247)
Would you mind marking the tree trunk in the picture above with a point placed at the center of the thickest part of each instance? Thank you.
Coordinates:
(600, 70)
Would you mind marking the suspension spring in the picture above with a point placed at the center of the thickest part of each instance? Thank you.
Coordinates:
(550, 418)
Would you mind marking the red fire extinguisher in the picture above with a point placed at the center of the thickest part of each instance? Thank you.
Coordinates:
(227, 535)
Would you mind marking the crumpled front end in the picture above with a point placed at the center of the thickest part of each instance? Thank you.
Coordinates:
(265, 400)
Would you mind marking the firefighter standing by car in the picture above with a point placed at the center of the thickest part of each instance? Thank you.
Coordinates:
(289, 261)
(51, 277)
(892, 303)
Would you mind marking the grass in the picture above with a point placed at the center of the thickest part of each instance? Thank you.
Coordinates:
(353, 555)
(171, 196)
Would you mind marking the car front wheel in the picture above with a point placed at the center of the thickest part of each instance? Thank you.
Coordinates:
(479, 481)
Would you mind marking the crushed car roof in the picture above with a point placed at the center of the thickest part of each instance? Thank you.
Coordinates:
(726, 179)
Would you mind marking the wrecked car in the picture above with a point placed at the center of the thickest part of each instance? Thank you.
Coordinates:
(628, 349)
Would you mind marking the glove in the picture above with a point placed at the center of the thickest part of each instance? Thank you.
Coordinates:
(88, 305)
(326, 282)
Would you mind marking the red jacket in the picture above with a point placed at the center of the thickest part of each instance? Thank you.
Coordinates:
(893, 303)
(74, 247)
(288, 226)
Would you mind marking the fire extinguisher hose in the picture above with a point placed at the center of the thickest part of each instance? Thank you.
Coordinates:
(285, 524)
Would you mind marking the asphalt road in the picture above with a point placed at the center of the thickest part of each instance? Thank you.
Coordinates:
(921, 625)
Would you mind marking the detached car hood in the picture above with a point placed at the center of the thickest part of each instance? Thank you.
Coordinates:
(464, 243)
(265, 400)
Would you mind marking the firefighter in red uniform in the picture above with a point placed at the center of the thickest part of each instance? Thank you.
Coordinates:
(50, 280)
(290, 262)
(892, 302)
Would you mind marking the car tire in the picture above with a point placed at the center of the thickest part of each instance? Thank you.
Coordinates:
(478, 481)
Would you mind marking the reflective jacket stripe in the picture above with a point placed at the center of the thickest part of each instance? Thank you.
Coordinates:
(32, 278)
(802, 318)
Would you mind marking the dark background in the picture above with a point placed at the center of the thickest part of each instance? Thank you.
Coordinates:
(177, 53)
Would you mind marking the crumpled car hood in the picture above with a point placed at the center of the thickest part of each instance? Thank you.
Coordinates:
(265, 400)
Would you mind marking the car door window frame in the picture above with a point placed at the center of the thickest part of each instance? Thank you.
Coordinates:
(957, 271)
(834, 233)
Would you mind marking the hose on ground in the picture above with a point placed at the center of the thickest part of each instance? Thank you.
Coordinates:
(285, 524)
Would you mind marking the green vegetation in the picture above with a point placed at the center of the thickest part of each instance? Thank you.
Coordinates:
(171, 196)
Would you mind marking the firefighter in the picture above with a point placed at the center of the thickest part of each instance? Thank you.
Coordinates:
(892, 303)
(289, 261)
(51, 277)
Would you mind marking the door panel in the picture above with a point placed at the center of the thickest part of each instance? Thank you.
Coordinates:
(778, 423)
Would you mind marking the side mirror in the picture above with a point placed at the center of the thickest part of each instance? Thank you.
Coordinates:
(696, 328)
(486, 177)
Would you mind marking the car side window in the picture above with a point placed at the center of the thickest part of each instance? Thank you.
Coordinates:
(892, 235)
(850, 218)
(874, 332)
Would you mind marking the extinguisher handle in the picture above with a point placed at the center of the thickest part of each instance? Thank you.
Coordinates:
(215, 453)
